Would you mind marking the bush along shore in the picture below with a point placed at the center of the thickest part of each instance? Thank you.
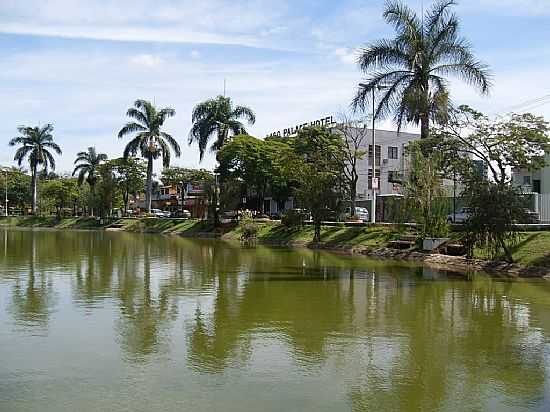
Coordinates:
(531, 255)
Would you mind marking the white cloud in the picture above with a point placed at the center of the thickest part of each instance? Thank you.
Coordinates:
(147, 60)
(346, 55)
(195, 54)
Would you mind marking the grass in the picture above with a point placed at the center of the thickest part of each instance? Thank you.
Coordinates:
(331, 236)
(532, 250)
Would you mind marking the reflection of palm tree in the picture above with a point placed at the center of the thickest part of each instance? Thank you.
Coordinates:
(142, 321)
(32, 304)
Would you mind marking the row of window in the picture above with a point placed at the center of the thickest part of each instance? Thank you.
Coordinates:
(393, 153)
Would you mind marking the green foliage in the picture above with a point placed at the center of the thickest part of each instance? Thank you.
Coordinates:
(149, 140)
(496, 210)
(424, 192)
(36, 145)
(218, 117)
(177, 175)
(61, 193)
(19, 191)
(294, 218)
(249, 229)
(129, 175)
(317, 166)
(258, 164)
(517, 141)
(413, 66)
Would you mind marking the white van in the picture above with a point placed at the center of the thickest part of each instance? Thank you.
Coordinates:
(360, 212)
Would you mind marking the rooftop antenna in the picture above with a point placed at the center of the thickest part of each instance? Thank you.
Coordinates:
(224, 87)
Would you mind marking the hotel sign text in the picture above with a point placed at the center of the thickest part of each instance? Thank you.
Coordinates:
(290, 131)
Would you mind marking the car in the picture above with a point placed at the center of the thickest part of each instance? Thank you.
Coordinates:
(360, 213)
(182, 214)
(160, 213)
(460, 215)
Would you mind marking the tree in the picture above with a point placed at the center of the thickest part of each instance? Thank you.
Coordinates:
(424, 192)
(496, 209)
(149, 140)
(409, 71)
(355, 138)
(62, 193)
(37, 145)
(517, 141)
(218, 117)
(317, 166)
(19, 183)
(87, 166)
(130, 174)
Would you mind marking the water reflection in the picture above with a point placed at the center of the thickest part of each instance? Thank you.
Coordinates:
(390, 336)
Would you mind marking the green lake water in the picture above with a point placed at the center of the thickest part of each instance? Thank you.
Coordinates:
(104, 321)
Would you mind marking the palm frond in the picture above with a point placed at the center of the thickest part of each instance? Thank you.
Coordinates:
(131, 127)
(244, 112)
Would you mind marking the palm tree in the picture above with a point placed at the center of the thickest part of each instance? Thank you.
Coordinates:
(86, 165)
(408, 72)
(149, 140)
(36, 143)
(217, 117)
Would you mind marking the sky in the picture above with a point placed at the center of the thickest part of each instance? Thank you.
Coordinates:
(81, 64)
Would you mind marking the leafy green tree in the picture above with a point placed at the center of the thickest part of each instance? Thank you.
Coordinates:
(517, 141)
(87, 166)
(61, 193)
(18, 185)
(424, 192)
(217, 117)
(129, 174)
(412, 68)
(496, 209)
(108, 193)
(37, 145)
(149, 139)
(317, 167)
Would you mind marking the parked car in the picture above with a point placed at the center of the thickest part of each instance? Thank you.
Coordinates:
(360, 213)
(160, 213)
(182, 214)
(460, 216)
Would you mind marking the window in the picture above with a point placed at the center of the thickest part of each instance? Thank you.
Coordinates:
(369, 177)
(378, 153)
(536, 186)
(526, 180)
(392, 152)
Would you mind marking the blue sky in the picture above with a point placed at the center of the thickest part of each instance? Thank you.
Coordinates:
(81, 64)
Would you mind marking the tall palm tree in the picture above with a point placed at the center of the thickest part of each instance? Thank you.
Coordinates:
(149, 140)
(37, 145)
(220, 118)
(409, 71)
(86, 165)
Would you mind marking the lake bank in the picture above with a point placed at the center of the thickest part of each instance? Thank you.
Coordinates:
(532, 255)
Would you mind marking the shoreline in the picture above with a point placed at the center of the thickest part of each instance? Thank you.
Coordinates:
(376, 249)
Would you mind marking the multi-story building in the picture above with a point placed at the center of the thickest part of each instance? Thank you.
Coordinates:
(537, 184)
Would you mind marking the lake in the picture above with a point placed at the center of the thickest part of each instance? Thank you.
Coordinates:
(112, 321)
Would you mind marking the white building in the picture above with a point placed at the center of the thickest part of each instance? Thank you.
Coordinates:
(390, 162)
(536, 182)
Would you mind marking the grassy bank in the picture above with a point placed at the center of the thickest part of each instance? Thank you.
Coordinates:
(533, 250)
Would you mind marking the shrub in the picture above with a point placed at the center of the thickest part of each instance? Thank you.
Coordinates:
(249, 229)
(293, 218)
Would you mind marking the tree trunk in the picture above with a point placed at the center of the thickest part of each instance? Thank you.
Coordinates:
(34, 184)
(317, 232)
(149, 189)
(353, 195)
(92, 192)
(424, 126)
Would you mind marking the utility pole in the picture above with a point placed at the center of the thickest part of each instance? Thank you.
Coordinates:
(373, 179)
